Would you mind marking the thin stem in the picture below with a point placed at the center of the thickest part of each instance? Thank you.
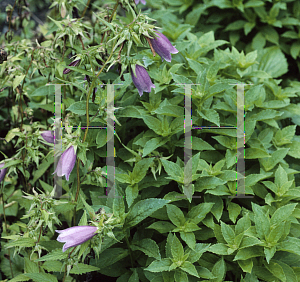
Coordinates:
(5, 222)
(88, 122)
(41, 226)
(86, 6)
(81, 41)
(65, 273)
(129, 249)
(149, 42)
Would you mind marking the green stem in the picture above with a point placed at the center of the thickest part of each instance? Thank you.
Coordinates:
(88, 121)
(129, 249)
(5, 222)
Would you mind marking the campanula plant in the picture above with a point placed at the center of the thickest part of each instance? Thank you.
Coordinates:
(121, 209)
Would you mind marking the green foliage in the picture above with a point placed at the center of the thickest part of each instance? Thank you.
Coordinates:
(146, 229)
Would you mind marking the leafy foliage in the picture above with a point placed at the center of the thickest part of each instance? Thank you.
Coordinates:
(148, 231)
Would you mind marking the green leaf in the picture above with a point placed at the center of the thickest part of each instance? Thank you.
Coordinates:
(142, 210)
(79, 108)
(180, 79)
(18, 80)
(147, 246)
(246, 265)
(180, 276)
(199, 249)
(248, 242)
(20, 277)
(276, 157)
(119, 207)
(111, 256)
(273, 62)
(44, 91)
(154, 124)
(295, 49)
(219, 249)
(132, 192)
(30, 266)
(172, 169)
(189, 268)
(269, 253)
(21, 242)
(38, 277)
(282, 214)
(177, 249)
(175, 215)
(81, 268)
(219, 270)
(247, 253)
(153, 144)
(276, 270)
(54, 255)
(140, 170)
(162, 226)
(159, 265)
(101, 138)
(189, 238)
(53, 265)
(198, 213)
(234, 211)
(195, 66)
(262, 222)
(227, 233)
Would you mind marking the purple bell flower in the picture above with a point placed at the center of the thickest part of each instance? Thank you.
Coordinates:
(73, 64)
(163, 47)
(138, 1)
(66, 163)
(48, 136)
(142, 80)
(76, 235)
(2, 172)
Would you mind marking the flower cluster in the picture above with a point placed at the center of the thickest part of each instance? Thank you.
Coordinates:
(163, 47)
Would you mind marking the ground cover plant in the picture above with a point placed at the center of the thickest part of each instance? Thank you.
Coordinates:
(120, 70)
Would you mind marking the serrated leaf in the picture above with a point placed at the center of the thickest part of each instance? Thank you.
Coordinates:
(143, 209)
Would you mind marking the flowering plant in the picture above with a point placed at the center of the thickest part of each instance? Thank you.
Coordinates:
(181, 166)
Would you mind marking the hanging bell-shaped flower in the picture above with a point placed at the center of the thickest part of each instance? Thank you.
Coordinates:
(76, 235)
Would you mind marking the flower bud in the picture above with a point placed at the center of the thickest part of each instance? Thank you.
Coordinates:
(73, 64)
(48, 136)
(2, 172)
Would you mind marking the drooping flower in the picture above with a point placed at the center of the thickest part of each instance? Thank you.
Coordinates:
(138, 1)
(2, 172)
(163, 47)
(48, 136)
(142, 80)
(76, 235)
(73, 64)
(66, 163)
